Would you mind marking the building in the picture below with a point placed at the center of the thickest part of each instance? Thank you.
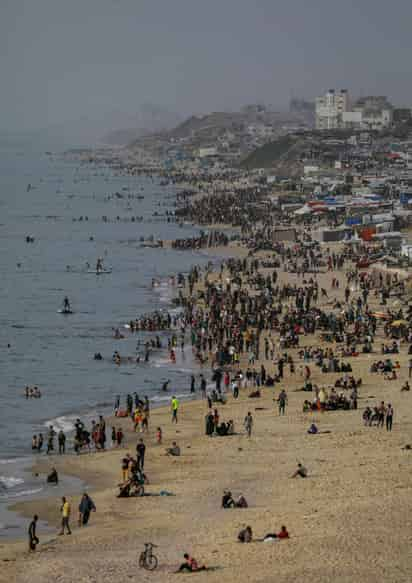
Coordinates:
(369, 113)
(377, 112)
(330, 108)
(207, 152)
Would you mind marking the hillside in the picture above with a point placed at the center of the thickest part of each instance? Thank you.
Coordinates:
(271, 153)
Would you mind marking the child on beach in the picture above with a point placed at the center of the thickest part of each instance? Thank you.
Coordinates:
(159, 436)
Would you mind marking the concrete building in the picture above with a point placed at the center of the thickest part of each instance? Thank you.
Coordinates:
(207, 152)
(330, 108)
(369, 113)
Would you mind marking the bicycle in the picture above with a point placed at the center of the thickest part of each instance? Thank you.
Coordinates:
(147, 559)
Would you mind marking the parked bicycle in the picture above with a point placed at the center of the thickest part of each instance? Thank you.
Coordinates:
(147, 559)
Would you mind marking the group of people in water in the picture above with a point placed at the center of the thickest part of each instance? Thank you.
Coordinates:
(32, 392)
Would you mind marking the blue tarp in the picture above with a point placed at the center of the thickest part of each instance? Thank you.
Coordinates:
(350, 221)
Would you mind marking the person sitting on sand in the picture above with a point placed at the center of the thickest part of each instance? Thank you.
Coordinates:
(227, 500)
(313, 429)
(190, 564)
(406, 387)
(53, 477)
(245, 535)
(174, 450)
(241, 502)
(301, 471)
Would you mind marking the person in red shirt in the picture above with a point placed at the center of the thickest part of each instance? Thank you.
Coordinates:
(283, 533)
(274, 536)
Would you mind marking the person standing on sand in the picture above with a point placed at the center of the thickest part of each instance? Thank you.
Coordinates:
(203, 386)
(65, 510)
(248, 423)
(282, 400)
(86, 506)
(33, 540)
(175, 408)
(389, 417)
(140, 451)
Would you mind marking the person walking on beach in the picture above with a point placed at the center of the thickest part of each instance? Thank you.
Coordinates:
(389, 417)
(248, 423)
(33, 539)
(140, 451)
(175, 408)
(61, 438)
(282, 400)
(65, 510)
(86, 506)
(203, 386)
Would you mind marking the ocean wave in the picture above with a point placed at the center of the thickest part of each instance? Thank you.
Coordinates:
(65, 423)
(13, 460)
(8, 482)
(20, 493)
(162, 399)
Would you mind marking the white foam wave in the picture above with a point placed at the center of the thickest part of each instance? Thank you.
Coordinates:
(162, 399)
(21, 493)
(13, 460)
(10, 481)
(64, 423)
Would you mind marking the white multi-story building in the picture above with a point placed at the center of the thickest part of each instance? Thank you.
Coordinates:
(330, 108)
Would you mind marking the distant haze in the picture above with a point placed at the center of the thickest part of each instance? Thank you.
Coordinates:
(88, 66)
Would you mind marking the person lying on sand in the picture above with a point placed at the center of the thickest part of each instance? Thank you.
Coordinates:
(273, 536)
(174, 450)
(190, 564)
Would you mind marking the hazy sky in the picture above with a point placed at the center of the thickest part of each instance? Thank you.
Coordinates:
(64, 59)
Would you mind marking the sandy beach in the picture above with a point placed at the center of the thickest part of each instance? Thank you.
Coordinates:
(348, 521)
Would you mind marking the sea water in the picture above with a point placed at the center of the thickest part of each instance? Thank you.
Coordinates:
(54, 351)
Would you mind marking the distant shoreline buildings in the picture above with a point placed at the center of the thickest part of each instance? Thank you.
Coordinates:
(335, 110)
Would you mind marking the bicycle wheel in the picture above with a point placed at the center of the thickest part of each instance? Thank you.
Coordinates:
(150, 563)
